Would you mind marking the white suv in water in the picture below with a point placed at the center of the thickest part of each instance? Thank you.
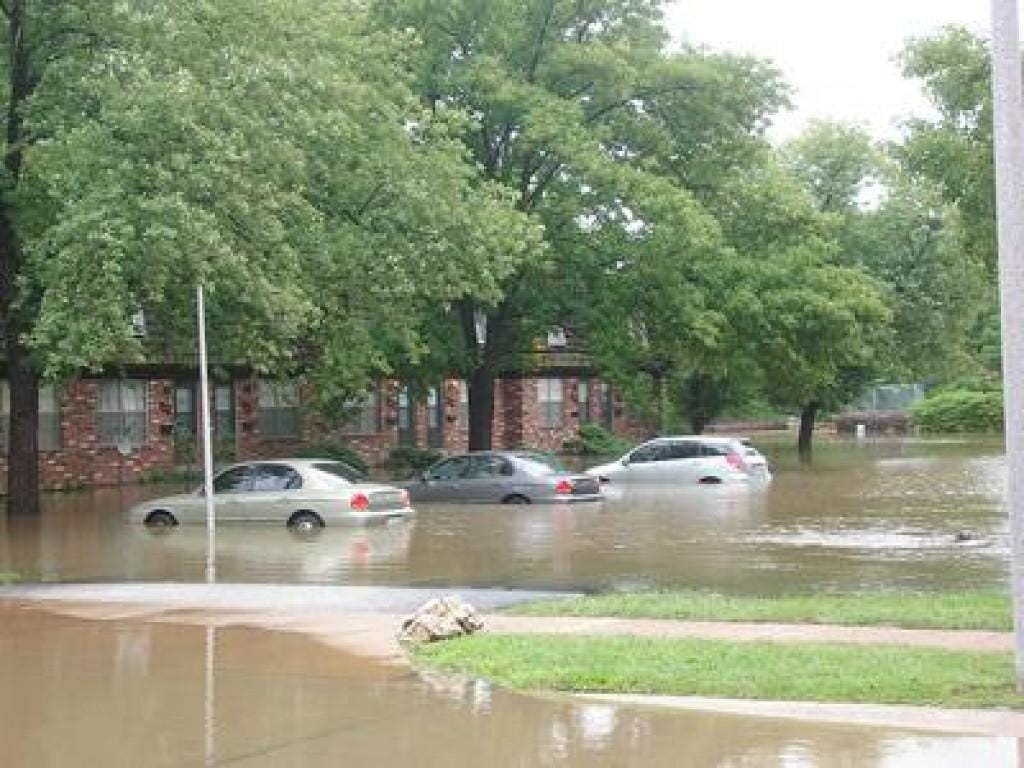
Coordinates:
(686, 460)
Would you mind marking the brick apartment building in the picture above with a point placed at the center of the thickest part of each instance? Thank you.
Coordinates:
(111, 430)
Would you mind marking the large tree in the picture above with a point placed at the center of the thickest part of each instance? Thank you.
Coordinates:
(272, 151)
(580, 113)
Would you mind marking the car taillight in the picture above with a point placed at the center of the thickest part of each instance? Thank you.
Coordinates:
(736, 461)
(563, 486)
(359, 502)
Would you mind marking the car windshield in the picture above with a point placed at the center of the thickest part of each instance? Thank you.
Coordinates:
(540, 463)
(340, 471)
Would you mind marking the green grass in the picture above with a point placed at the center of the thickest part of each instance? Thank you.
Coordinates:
(6, 577)
(964, 610)
(689, 667)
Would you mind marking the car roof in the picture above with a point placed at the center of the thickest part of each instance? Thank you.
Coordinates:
(697, 438)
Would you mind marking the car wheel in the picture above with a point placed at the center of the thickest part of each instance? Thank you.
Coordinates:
(515, 498)
(161, 519)
(305, 522)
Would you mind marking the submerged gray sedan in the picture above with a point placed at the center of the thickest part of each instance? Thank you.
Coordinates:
(506, 477)
(304, 494)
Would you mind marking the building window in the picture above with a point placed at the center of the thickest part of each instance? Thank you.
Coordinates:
(122, 413)
(48, 429)
(49, 419)
(463, 403)
(583, 400)
(363, 415)
(279, 409)
(404, 409)
(224, 410)
(184, 410)
(549, 397)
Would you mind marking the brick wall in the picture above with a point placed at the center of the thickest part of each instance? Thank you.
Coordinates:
(82, 460)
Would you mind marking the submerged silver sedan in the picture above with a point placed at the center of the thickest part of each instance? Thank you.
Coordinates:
(506, 477)
(304, 494)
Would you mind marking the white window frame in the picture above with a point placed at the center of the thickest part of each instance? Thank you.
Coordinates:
(551, 402)
(122, 427)
(278, 411)
(363, 414)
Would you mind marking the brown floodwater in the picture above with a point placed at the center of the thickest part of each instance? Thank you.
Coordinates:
(75, 692)
(133, 695)
(885, 514)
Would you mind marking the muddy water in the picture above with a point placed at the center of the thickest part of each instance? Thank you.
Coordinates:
(79, 693)
(868, 515)
(124, 693)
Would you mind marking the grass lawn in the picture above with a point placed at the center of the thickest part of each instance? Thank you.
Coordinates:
(959, 610)
(9, 578)
(690, 667)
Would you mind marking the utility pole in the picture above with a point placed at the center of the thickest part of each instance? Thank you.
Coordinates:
(1008, 105)
(204, 399)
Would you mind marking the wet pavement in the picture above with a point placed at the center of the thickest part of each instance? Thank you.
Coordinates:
(129, 691)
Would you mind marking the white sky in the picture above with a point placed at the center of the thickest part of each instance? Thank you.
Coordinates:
(838, 55)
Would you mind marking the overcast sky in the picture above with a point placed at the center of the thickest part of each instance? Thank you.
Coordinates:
(838, 55)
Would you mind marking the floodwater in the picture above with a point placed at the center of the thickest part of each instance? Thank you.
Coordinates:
(867, 516)
(128, 693)
(137, 695)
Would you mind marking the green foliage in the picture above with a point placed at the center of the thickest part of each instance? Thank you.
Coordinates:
(335, 452)
(8, 577)
(691, 667)
(960, 411)
(595, 440)
(409, 460)
(937, 610)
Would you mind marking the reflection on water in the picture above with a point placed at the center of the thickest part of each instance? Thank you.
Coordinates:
(868, 515)
(79, 693)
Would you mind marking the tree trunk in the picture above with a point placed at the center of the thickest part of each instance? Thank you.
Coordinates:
(807, 416)
(22, 453)
(481, 409)
(697, 423)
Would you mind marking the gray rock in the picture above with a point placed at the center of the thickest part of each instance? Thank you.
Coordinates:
(440, 619)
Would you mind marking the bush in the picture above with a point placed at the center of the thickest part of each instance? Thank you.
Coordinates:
(409, 460)
(593, 440)
(960, 411)
(336, 452)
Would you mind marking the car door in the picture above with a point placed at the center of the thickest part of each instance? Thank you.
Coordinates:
(229, 491)
(443, 481)
(642, 464)
(681, 462)
(483, 481)
(271, 493)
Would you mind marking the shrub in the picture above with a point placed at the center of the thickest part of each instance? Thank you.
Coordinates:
(960, 411)
(336, 452)
(593, 440)
(409, 460)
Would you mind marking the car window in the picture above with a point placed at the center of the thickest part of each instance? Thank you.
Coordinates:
(487, 466)
(273, 477)
(340, 470)
(683, 449)
(232, 480)
(648, 453)
(714, 449)
(547, 460)
(451, 469)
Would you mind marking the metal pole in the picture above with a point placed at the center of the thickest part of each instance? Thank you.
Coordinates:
(1009, 165)
(204, 399)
